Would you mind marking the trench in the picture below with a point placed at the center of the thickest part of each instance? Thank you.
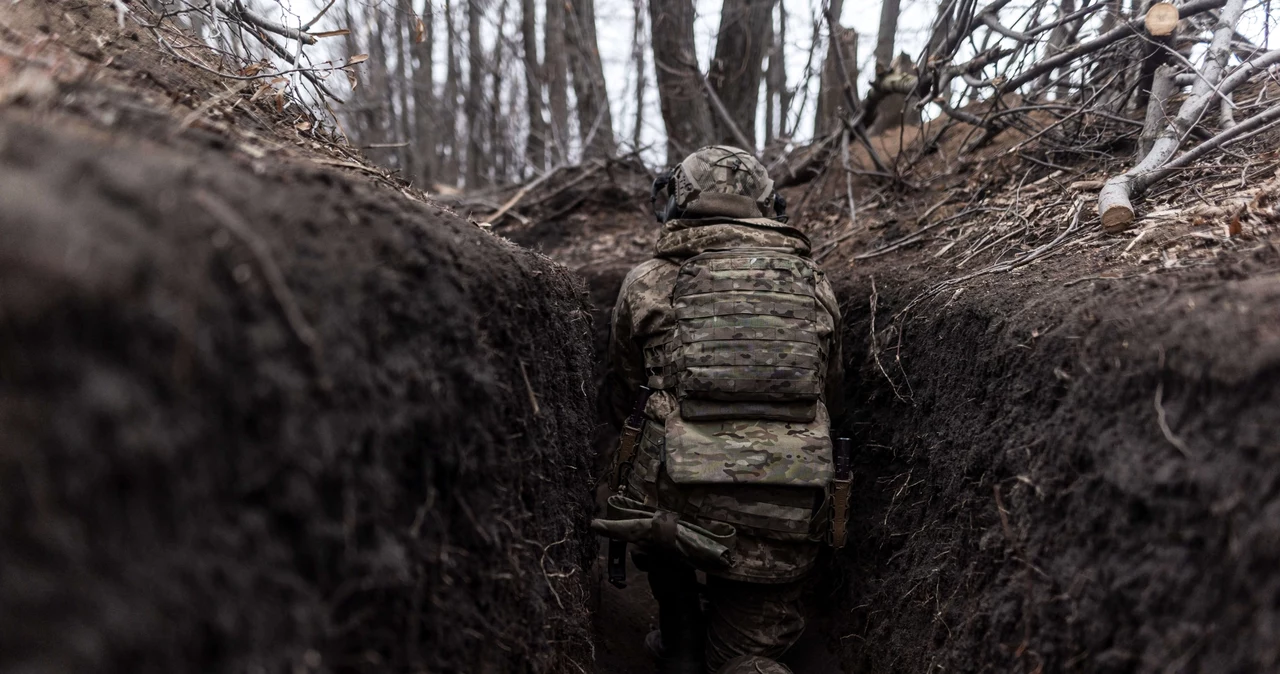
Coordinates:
(258, 413)
(1051, 476)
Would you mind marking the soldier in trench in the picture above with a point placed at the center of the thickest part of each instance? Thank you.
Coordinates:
(725, 350)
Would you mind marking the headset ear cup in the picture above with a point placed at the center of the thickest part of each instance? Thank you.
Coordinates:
(670, 211)
(779, 206)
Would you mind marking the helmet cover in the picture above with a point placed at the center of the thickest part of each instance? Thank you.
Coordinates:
(725, 181)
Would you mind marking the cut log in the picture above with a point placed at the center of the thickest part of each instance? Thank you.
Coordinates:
(1162, 19)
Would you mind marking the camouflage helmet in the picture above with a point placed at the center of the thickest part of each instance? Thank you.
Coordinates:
(723, 180)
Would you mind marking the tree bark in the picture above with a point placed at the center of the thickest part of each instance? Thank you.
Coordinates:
(380, 94)
(735, 71)
(637, 57)
(473, 102)
(424, 102)
(772, 88)
(595, 122)
(888, 31)
(403, 41)
(556, 66)
(831, 102)
(685, 110)
(498, 148)
(784, 94)
(535, 148)
(829, 96)
(452, 165)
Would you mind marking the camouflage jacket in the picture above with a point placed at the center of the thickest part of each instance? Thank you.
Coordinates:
(776, 532)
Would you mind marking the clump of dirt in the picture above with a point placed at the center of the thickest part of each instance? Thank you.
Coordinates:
(259, 415)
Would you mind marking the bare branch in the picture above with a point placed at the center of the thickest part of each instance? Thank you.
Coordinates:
(1113, 201)
(1101, 42)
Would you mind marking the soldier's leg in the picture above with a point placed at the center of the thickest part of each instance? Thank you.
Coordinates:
(751, 619)
(680, 623)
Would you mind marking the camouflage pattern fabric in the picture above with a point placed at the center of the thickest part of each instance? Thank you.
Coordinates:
(750, 452)
(723, 180)
(747, 331)
(776, 541)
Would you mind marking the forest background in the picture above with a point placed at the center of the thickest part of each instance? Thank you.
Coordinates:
(474, 94)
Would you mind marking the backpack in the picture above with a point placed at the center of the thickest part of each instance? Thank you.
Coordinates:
(746, 344)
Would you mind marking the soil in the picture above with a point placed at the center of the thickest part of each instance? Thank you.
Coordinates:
(258, 413)
(1071, 465)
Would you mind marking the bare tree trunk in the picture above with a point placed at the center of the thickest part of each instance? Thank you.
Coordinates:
(771, 87)
(685, 110)
(735, 70)
(535, 148)
(497, 155)
(829, 95)
(475, 96)
(360, 120)
(1058, 38)
(888, 31)
(452, 167)
(556, 65)
(832, 104)
(403, 39)
(637, 57)
(595, 122)
(424, 103)
(784, 94)
(379, 93)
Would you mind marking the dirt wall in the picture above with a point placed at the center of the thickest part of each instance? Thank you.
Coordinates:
(256, 415)
(1065, 475)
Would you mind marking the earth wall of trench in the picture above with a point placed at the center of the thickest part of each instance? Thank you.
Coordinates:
(261, 415)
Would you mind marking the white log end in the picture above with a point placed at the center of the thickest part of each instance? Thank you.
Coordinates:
(1161, 19)
(1114, 207)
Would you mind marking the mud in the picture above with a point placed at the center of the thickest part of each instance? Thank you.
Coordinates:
(258, 414)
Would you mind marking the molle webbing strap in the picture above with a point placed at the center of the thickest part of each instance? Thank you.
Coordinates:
(659, 367)
(747, 331)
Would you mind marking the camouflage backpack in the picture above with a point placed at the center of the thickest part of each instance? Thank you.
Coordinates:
(746, 343)
(747, 360)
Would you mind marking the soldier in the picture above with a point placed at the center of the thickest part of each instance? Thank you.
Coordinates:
(727, 467)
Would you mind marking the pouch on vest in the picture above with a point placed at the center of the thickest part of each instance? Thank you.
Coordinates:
(756, 452)
(746, 342)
